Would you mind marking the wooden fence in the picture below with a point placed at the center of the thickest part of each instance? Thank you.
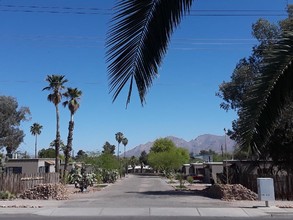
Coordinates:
(17, 183)
(283, 185)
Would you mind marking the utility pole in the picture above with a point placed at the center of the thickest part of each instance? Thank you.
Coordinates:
(226, 157)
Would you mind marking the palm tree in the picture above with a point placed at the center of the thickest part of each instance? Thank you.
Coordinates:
(36, 130)
(56, 85)
(124, 142)
(119, 137)
(73, 95)
(270, 96)
(138, 40)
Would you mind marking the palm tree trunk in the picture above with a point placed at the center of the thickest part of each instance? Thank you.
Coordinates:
(68, 148)
(36, 146)
(57, 143)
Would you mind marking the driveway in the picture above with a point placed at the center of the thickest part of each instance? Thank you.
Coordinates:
(142, 191)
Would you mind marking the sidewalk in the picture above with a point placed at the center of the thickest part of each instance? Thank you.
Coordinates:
(53, 208)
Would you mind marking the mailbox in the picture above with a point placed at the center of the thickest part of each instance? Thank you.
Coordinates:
(265, 187)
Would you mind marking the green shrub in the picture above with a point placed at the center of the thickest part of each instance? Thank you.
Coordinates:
(181, 180)
(190, 179)
(6, 195)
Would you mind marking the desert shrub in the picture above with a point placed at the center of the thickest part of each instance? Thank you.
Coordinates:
(189, 179)
(4, 195)
(181, 180)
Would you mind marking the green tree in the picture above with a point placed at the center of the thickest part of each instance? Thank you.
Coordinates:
(162, 145)
(207, 152)
(11, 116)
(73, 96)
(81, 155)
(143, 159)
(133, 162)
(36, 129)
(56, 85)
(47, 153)
(258, 91)
(109, 148)
(108, 162)
(119, 137)
(168, 161)
(247, 71)
(138, 40)
(164, 156)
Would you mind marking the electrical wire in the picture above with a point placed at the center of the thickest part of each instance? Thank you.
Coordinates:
(101, 11)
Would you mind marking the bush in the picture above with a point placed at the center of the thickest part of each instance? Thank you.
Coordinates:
(190, 179)
(4, 195)
(181, 180)
(109, 176)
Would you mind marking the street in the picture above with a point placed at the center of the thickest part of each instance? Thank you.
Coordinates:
(143, 191)
(29, 217)
(141, 197)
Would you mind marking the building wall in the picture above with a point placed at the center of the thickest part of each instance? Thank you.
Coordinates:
(27, 166)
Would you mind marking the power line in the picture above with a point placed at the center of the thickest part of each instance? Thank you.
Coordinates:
(101, 11)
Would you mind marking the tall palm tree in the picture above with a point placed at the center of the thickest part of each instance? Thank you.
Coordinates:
(124, 142)
(73, 96)
(119, 137)
(138, 40)
(56, 85)
(36, 129)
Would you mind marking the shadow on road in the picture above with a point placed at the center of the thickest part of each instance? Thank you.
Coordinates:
(170, 193)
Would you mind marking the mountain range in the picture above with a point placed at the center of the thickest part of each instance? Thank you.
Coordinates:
(202, 142)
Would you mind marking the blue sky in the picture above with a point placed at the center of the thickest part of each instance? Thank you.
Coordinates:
(44, 37)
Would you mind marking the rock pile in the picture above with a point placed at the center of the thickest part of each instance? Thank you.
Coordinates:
(45, 192)
(230, 192)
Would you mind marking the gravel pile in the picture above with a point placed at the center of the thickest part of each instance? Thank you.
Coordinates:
(45, 192)
(230, 192)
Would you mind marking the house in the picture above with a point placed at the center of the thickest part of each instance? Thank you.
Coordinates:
(205, 172)
(29, 166)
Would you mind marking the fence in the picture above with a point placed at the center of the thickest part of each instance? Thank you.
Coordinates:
(17, 183)
(283, 185)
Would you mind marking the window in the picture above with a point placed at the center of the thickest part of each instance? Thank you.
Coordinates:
(13, 169)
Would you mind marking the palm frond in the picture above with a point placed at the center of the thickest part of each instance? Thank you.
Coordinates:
(137, 41)
(268, 96)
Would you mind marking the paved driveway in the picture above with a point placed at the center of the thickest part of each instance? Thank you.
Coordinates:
(143, 191)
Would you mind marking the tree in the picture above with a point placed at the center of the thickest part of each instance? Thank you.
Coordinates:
(119, 137)
(162, 145)
(11, 136)
(108, 148)
(138, 40)
(73, 96)
(270, 94)
(56, 85)
(124, 142)
(133, 162)
(164, 156)
(143, 159)
(283, 139)
(246, 72)
(81, 155)
(47, 153)
(36, 129)
(168, 161)
(254, 91)
(108, 162)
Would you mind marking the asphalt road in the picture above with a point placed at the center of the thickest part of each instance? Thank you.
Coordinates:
(32, 217)
(142, 197)
(142, 191)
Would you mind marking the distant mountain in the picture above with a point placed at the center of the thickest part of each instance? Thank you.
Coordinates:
(202, 142)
